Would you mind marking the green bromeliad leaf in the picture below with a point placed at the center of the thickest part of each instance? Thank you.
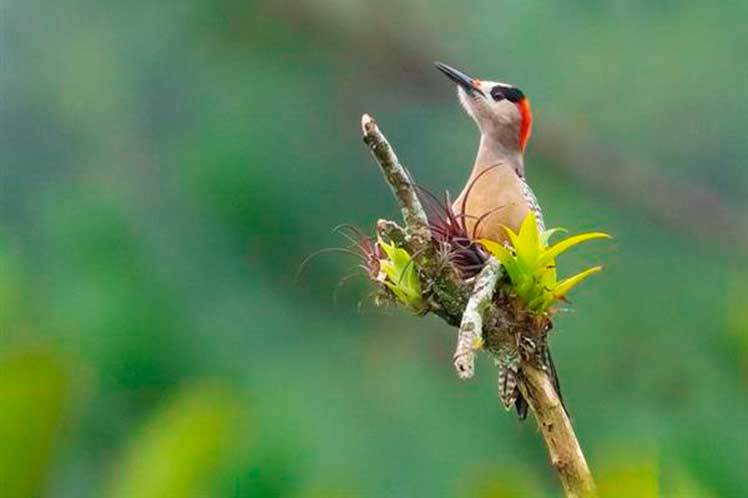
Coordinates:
(526, 243)
(399, 274)
(556, 249)
(505, 256)
(530, 263)
(560, 290)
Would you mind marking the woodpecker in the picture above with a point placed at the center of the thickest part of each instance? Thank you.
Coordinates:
(496, 194)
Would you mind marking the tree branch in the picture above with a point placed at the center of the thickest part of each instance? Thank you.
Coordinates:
(400, 183)
(502, 324)
(564, 450)
(470, 337)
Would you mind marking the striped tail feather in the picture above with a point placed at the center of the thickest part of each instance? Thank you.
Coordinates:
(508, 361)
(509, 392)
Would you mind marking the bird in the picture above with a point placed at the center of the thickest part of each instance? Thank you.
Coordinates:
(497, 195)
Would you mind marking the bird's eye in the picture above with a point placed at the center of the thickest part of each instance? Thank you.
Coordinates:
(497, 93)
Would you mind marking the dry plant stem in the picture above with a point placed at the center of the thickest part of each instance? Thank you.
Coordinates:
(398, 179)
(536, 386)
(566, 454)
(470, 336)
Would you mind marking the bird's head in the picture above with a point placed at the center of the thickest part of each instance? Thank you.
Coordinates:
(501, 111)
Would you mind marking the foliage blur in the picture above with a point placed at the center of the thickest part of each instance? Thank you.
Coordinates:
(168, 165)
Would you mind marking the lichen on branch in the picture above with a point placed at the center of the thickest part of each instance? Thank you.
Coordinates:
(397, 177)
(470, 336)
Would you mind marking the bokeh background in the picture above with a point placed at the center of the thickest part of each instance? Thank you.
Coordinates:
(167, 166)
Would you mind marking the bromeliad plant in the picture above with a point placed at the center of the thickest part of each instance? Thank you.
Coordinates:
(398, 273)
(530, 263)
(527, 261)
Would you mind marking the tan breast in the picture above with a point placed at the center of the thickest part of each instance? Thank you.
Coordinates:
(500, 192)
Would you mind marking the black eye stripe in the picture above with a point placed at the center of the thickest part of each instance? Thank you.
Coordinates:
(497, 93)
(514, 94)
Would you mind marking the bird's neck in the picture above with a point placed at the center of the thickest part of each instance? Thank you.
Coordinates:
(492, 152)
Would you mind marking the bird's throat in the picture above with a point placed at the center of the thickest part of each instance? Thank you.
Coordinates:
(492, 152)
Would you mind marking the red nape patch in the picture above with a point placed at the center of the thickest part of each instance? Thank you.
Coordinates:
(525, 126)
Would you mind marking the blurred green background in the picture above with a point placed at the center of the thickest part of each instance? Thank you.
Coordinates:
(167, 166)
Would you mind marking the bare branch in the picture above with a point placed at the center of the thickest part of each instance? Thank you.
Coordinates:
(470, 338)
(566, 454)
(399, 181)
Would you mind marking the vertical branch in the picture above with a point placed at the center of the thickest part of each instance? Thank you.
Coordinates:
(563, 447)
(470, 336)
(400, 183)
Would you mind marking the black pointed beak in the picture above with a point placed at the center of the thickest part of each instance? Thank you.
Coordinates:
(467, 83)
